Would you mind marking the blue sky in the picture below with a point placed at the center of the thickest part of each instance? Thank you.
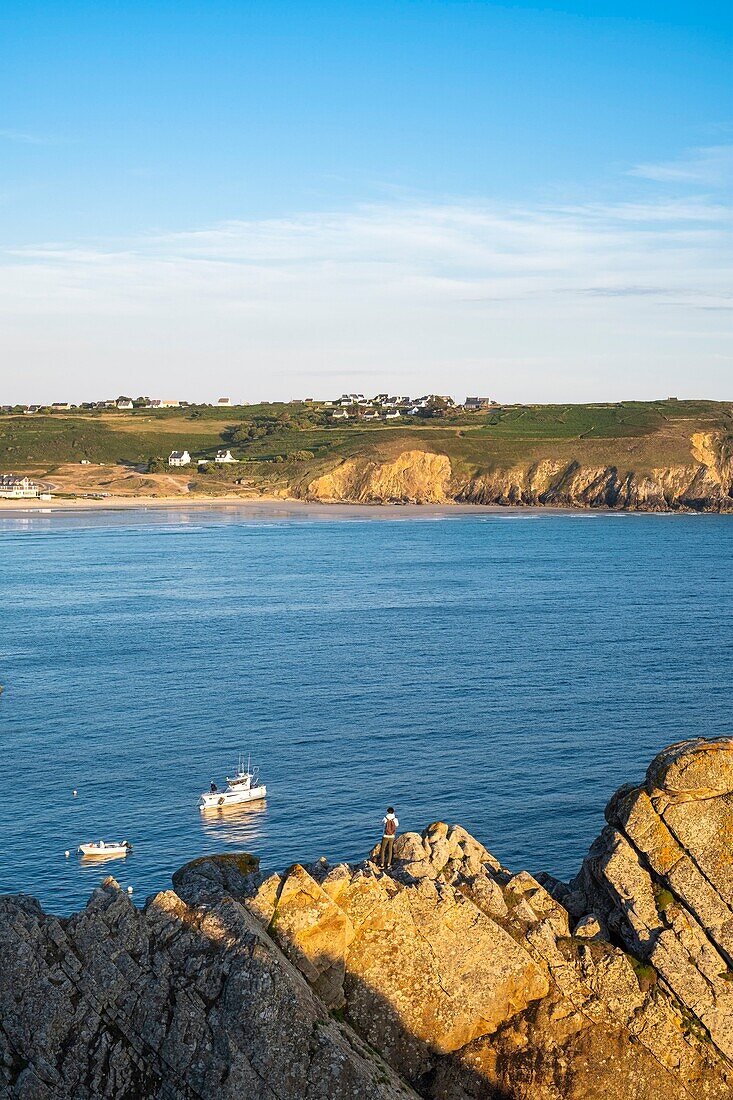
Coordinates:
(275, 199)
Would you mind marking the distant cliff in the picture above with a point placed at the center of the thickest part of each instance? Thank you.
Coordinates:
(450, 978)
(705, 483)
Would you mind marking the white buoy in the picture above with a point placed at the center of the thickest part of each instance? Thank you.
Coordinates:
(75, 793)
(67, 853)
(129, 889)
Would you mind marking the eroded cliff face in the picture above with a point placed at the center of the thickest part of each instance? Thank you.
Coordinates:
(422, 477)
(448, 978)
(414, 477)
(696, 488)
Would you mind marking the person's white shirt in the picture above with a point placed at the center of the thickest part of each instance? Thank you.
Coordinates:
(391, 817)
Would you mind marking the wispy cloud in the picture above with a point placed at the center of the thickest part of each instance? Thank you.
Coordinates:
(408, 252)
(452, 292)
(23, 137)
(711, 164)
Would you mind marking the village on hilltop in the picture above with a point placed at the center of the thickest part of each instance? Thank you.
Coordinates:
(349, 406)
(385, 407)
(348, 409)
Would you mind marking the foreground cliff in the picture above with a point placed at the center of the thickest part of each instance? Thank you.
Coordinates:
(448, 978)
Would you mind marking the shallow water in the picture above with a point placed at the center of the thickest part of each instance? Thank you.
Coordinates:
(506, 670)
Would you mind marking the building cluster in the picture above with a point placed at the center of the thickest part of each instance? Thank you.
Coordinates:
(384, 406)
(14, 487)
(349, 406)
(183, 458)
(124, 404)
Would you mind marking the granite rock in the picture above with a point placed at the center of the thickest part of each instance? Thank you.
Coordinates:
(449, 977)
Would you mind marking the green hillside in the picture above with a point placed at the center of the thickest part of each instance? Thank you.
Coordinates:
(278, 442)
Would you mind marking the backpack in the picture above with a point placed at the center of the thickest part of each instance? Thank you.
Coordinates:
(390, 827)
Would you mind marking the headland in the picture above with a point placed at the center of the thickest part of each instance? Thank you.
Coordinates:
(640, 456)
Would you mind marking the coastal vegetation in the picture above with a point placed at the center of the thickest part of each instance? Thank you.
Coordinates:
(288, 448)
(265, 432)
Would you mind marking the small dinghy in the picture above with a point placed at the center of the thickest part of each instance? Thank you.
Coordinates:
(105, 849)
(243, 787)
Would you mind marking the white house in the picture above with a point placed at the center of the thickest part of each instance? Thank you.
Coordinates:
(392, 415)
(14, 487)
(343, 415)
(179, 458)
(124, 403)
(473, 403)
(224, 401)
(224, 456)
(157, 403)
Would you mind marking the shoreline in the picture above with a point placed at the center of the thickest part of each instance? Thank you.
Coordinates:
(122, 502)
(294, 505)
(268, 504)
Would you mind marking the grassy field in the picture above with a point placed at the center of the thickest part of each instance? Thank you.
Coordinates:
(278, 442)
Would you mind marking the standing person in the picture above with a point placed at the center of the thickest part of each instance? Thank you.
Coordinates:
(390, 826)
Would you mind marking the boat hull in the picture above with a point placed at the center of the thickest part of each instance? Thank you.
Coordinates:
(90, 852)
(221, 799)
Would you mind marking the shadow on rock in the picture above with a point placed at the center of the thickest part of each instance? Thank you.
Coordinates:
(448, 978)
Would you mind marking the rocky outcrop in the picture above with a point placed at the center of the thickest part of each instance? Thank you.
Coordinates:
(448, 978)
(661, 877)
(468, 980)
(178, 1000)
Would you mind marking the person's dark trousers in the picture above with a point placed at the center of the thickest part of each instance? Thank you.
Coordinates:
(385, 852)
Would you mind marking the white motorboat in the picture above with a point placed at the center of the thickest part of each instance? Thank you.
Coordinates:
(105, 849)
(243, 787)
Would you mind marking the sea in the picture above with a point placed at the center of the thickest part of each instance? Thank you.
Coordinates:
(503, 669)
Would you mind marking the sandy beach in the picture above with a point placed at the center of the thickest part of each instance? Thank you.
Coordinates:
(124, 502)
(265, 504)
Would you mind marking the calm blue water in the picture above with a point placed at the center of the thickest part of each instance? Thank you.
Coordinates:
(504, 670)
